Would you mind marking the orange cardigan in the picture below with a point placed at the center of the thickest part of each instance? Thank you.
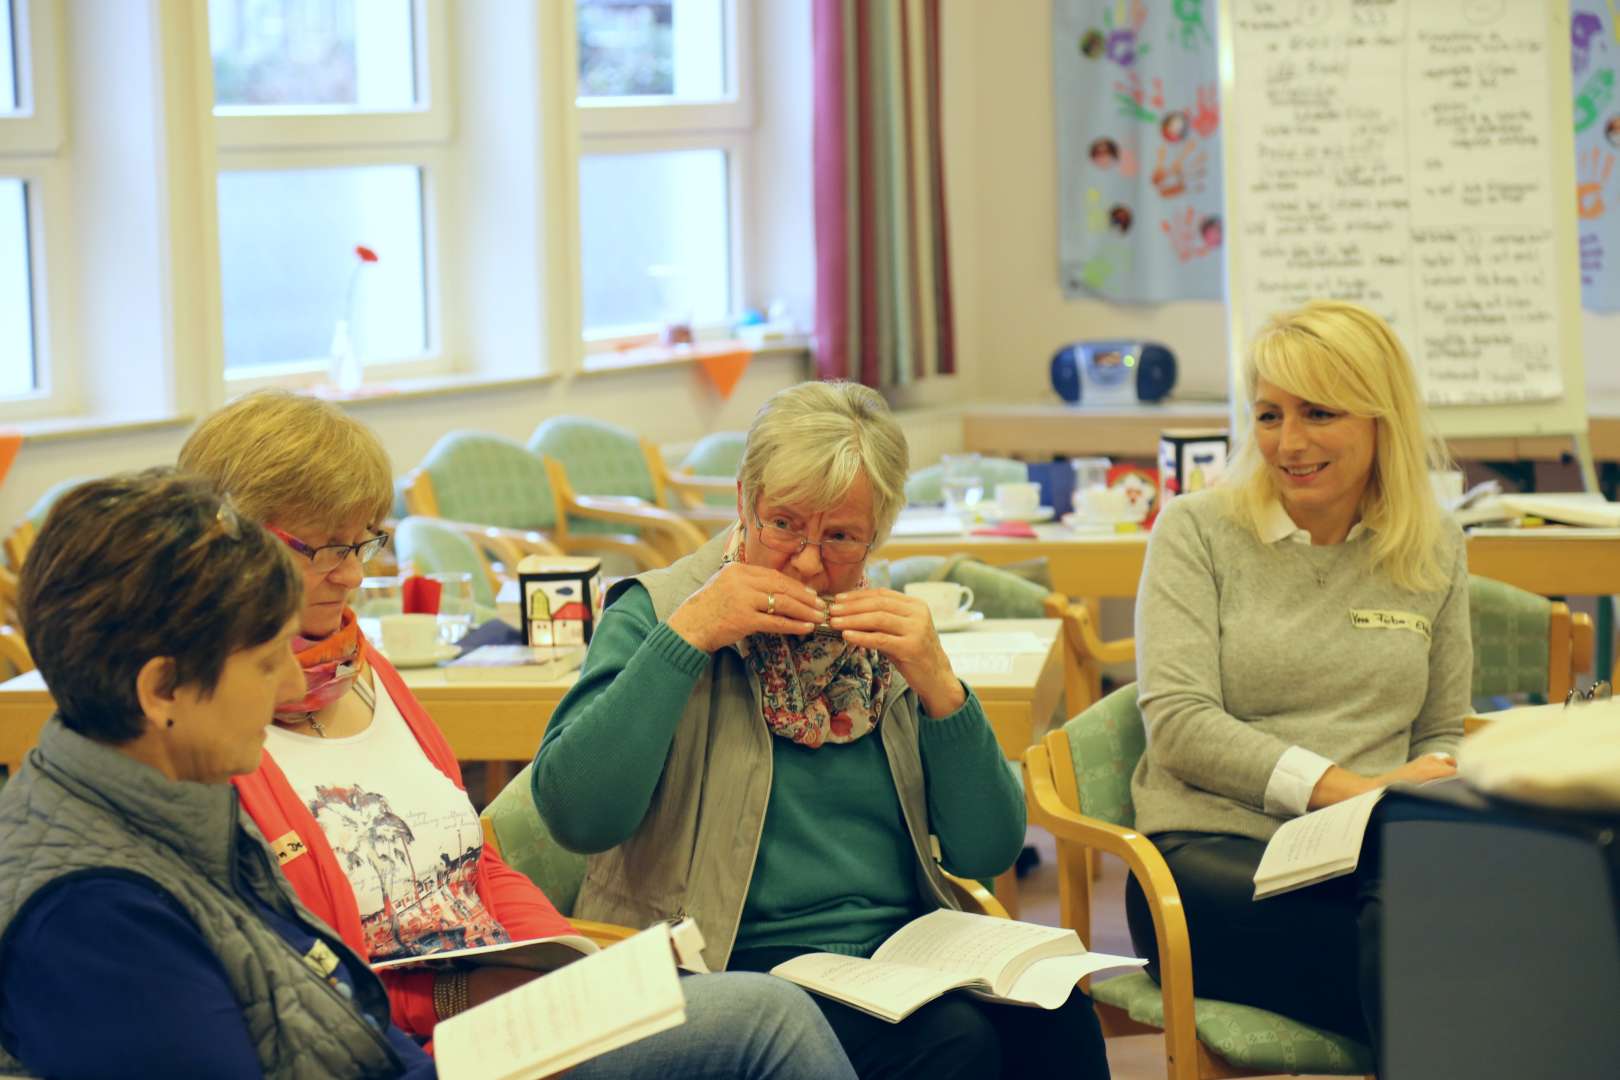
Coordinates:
(516, 902)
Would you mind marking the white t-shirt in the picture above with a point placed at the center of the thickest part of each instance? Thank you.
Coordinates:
(404, 834)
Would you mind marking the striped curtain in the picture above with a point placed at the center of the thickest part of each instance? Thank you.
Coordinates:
(883, 282)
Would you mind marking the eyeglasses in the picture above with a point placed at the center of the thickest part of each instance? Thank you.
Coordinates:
(838, 549)
(328, 557)
(1598, 691)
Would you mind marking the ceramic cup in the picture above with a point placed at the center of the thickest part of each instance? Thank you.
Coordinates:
(1018, 500)
(947, 601)
(410, 637)
(1099, 503)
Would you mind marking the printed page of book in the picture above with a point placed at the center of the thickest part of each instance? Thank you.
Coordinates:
(536, 954)
(611, 999)
(1316, 846)
(887, 991)
(979, 946)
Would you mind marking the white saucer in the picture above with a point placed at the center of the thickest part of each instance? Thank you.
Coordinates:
(1035, 516)
(961, 622)
(440, 653)
(1092, 525)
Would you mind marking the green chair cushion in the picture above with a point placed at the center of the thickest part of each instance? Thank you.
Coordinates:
(527, 847)
(1105, 742)
(601, 459)
(718, 454)
(1510, 628)
(1243, 1035)
(490, 480)
(924, 488)
(997, 591)
(434, 547)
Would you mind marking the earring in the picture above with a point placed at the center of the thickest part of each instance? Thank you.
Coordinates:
(169, 722)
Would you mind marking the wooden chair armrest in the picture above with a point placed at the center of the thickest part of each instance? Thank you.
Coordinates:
(664, 528)
(1147, 865)
(1082, 633)
(691, 488)
(602, 933)
(974, 897)
(646, 556)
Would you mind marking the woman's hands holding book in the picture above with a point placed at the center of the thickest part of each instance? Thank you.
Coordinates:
(1339, 784)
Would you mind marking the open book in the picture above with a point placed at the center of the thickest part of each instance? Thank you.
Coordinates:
(996, 959)
(1314, 847)
(536, 954)
(610, 999)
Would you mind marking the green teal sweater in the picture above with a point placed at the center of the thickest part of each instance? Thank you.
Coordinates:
(835, 868)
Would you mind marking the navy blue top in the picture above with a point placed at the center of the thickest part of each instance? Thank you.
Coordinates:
(107, 974)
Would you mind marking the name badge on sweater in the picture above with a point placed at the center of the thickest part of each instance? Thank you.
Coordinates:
(1370, 619)
(287, 847)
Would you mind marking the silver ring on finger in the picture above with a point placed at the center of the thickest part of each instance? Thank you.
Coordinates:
(770, 603)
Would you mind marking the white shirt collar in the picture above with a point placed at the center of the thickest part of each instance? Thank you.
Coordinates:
(1275, 525)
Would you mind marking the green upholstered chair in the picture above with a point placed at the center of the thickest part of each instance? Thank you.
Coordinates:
(516, 832)
(600, 482)
(923, 488)
(718, 454)
(500, 496)
(1524, 643)
(433, 545)
(1078, 784)
(997, 591)
(707, 500)
(21, 537)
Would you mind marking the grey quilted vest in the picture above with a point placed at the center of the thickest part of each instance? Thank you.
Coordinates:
(78, 806)
(693, 854)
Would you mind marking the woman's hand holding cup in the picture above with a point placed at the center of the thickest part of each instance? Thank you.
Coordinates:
(739, 600)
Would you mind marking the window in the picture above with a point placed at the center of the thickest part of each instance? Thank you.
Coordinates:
(328, 132)
(8, 59)
(17, 373)
(664, 116)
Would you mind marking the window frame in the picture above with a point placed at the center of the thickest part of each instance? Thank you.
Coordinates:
(641, 125)
(35, 129)
(422, 137)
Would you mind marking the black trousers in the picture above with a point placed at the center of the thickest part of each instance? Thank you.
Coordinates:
(1311, 954)
(958, 1037)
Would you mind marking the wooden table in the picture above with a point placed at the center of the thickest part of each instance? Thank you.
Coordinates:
(504, 721)
(1547, 561)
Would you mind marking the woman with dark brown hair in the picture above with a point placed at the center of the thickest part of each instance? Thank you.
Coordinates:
(144, 927)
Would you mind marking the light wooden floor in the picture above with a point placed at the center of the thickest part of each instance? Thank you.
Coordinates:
(1138, 1058)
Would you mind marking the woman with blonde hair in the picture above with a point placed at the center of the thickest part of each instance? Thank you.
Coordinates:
(1303, 637)
(761, 741)
(362, 796)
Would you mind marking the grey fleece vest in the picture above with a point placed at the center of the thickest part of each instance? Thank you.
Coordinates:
(79, 806)
(693, 854)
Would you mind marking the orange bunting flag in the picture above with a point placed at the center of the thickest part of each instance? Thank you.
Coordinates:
(10, 443)
(724, 369)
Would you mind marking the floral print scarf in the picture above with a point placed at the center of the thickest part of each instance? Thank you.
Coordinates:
(816, 689)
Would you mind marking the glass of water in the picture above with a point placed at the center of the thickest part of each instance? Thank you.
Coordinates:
(378, 596)
(961, 481)
(455, 605)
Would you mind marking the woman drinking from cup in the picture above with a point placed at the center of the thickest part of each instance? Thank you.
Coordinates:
(144, 927)
(783, 785)
(361, 786)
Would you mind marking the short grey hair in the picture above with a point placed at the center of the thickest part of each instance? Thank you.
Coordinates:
(808, 444)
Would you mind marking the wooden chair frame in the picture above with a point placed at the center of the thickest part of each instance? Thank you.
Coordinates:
(683, 492)
(666, 535)
(1571, 642)
(1054, 799)
(17, 542)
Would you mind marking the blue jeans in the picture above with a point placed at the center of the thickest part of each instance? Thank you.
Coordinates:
(739, 1025)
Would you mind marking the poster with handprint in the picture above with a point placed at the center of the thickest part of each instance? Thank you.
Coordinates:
(1138, 141)
(1594, 54)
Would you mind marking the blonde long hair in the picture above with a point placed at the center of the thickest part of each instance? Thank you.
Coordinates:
(1344, 357)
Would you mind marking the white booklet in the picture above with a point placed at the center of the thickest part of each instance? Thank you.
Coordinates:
(1314, 847)
(536, 954)
(1017, 963)
(610, 999)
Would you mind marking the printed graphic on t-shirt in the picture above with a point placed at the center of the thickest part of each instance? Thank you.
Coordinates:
(412, 901)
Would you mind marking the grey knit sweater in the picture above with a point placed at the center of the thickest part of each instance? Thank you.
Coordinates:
(1246, 648)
